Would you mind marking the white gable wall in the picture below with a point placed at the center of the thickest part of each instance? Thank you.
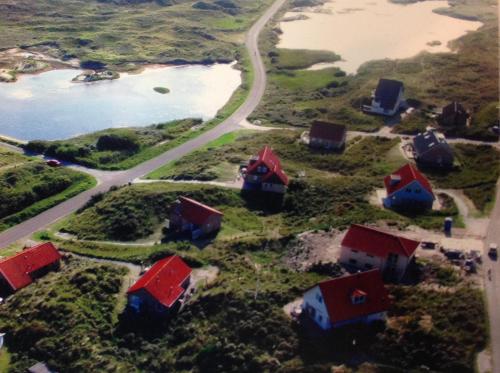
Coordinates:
(365, 262)
(314, 299)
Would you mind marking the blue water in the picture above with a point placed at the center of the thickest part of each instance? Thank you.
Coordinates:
(49, 106)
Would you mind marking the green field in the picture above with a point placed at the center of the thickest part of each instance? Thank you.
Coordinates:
(28, 187)
(294, 97)
(126, 33)
(72, 320)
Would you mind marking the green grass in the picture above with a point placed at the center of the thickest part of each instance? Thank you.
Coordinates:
(64, 319)
(477, 174)
(4, 360)
(300, 59)
(363, 157)
(127, 33)
(470, 76)
(234, 324)
(30, 187)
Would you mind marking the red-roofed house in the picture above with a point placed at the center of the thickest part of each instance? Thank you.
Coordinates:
(264, 172)
(407, 188)
(188, 215)
(159, 290)
(21, 269)
(357, 298)
(366, 248)
(327, 135)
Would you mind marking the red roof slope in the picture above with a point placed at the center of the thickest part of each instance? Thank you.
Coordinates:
(408, 174)
(17, 269)
(267, 158)
(327, 131)
(164, 280)
(337, 294)
(377, 242)
(196, 212)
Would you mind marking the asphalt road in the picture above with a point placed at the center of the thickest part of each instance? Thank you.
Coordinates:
(493, 285)
(232, 123)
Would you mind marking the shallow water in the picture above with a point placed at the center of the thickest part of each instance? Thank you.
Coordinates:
(365, 30)
(49, 106)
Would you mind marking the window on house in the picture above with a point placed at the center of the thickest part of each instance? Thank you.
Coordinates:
(408, 190)
(320, 318)
(418, 190)
(319, 298)
(358, 299)
(352, 261)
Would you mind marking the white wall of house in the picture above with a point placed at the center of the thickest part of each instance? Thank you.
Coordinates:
(376, 108)
(363, 261)
(314, 299)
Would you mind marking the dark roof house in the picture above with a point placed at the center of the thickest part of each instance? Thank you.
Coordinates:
(188, 215)
(20, 270)
(453, 114)
(432, 150)
(327, 135)
(388, 97)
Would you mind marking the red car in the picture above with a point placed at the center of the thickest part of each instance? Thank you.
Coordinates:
(53, 163)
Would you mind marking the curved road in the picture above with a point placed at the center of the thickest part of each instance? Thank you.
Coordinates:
(232, 123)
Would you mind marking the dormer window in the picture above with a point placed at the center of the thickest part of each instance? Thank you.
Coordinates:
(358, 297)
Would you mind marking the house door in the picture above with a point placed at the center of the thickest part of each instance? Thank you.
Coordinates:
(390, 271)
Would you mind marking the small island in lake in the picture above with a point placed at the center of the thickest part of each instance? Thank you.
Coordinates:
(95, 76)
(162, 90)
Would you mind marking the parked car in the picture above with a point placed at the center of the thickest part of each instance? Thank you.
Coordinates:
(493, 251)
(53, 163)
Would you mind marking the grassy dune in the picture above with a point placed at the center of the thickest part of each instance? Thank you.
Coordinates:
(128, 32)
(469, 75)
(28, 187)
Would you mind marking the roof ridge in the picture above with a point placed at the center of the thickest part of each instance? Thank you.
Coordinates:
(166, 261)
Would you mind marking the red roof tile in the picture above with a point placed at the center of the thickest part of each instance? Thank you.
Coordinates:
(407, 174)
(377, 242)
(196, 212)
(267, 158)
(17, 269)
(327, 131)
(337, 294)
(164, 280)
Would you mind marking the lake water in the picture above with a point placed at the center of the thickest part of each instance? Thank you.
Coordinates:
(49, 106)
(365, 30)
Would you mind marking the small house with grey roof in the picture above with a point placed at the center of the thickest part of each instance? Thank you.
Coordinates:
(432, 150)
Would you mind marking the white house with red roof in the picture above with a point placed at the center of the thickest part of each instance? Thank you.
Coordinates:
(366, 248)
(160, 289)
(357, 298)
(408, 189)
(21, 269)
(264, 172)
(195, 218)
